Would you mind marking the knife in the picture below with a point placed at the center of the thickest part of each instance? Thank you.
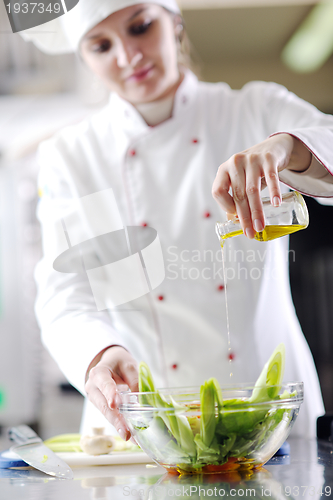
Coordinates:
(31, 449)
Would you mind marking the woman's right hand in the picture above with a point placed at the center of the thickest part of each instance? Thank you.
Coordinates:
(115, 367)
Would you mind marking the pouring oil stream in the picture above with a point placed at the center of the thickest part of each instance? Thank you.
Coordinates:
(226, 305)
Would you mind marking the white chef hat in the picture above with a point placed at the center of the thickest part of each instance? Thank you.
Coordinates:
(63, 34)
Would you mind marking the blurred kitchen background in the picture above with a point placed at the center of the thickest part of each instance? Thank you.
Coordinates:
(286, 41)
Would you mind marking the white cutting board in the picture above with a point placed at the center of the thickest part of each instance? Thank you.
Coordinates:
(113, 458)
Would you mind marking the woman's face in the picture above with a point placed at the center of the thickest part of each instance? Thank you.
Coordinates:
(134, 51)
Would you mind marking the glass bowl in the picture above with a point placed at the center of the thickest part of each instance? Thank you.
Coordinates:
(173, 429)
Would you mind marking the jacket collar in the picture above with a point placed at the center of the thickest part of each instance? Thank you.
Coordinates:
(130, 120)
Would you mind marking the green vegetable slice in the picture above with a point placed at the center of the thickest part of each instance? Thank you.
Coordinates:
(208, 413)
(176, 423)
(64, 443)
(271, 375)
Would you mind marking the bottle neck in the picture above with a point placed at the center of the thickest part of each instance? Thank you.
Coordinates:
(228, 229)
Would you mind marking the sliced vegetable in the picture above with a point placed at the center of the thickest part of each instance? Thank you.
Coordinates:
(146, 384)
(269, 382)
(208, 417)
(176, 423)
(64, 443)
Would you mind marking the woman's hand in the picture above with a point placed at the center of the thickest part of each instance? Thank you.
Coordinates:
(115, 367)
(248, 172)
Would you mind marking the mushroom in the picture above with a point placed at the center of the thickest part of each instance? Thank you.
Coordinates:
(98, 443)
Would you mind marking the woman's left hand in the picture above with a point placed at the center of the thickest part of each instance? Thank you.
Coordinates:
(248, 172)
(112, 368)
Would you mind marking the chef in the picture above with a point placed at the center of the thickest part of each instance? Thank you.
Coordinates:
(152, 158)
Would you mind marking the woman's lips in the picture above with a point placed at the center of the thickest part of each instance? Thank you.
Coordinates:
(140, 74)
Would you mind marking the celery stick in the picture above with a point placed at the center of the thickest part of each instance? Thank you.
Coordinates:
(64, 443)
(208, 413)
(271, 375)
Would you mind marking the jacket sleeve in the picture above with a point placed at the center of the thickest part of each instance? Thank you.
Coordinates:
(287, 113)
(72, 328)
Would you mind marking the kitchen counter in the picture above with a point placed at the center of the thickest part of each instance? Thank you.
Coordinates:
(307, 473)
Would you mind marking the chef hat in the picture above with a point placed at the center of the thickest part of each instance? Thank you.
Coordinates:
(63, 34)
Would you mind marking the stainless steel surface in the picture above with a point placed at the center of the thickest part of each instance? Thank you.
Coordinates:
(30, 449)
(307, 473)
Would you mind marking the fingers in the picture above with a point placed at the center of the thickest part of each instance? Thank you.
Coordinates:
(272, 179)
(238, 178)
(101, 377)
(245, 174)
(124, 367)
(220, 190)
(253, 187)
(129, 373)
(116, 369)
(112, 415)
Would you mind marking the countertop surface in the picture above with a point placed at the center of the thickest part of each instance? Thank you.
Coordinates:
(306, 473)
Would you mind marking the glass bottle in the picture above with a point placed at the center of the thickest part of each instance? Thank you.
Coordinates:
(291, 216)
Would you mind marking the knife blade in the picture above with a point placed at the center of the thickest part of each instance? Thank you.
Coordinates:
(33, 451)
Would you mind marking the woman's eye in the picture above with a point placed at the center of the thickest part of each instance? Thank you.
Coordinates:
(101, 47)
(140, 28)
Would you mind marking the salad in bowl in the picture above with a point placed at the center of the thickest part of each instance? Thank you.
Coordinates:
(212, 429)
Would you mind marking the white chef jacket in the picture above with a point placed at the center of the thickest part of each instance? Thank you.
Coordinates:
(162, 177)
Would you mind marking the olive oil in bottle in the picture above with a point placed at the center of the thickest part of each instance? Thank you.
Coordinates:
(291, 216)
(269, 232)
